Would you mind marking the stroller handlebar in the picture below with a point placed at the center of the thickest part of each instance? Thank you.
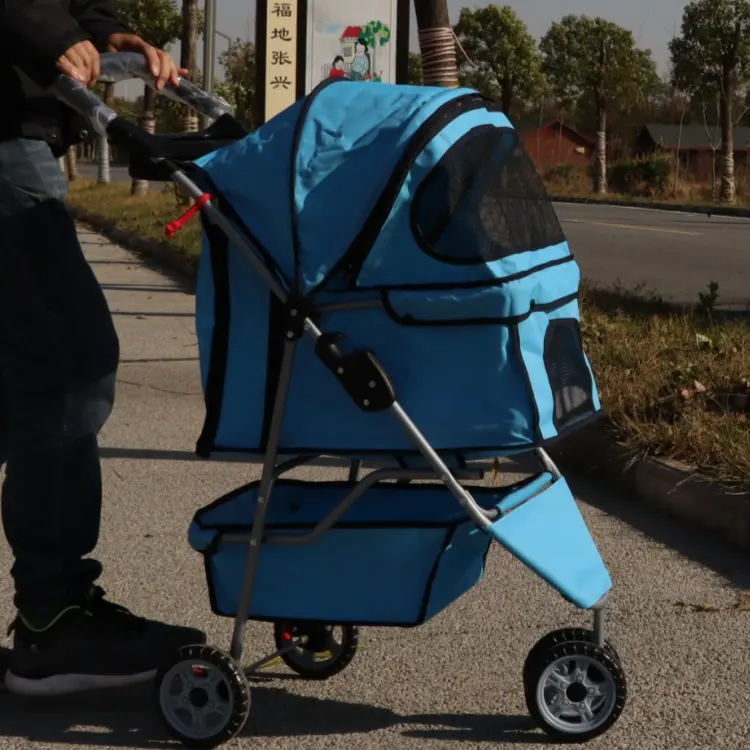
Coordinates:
(126, 66)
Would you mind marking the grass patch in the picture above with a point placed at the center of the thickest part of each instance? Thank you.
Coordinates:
(146, 215)
(671, 380)
(675, 383)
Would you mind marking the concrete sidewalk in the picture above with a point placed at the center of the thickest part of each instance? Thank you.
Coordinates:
(455, 683)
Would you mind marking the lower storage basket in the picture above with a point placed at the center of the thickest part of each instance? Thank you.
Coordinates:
(398, 556)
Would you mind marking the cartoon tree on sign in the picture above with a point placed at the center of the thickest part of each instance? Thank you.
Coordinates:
(375, 34)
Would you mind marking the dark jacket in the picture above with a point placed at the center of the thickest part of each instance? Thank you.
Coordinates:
(34, 34)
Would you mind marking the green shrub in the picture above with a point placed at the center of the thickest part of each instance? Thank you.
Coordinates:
(641, 176)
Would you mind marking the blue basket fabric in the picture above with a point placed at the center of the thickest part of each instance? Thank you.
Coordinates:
(397, 557)
(432, 210)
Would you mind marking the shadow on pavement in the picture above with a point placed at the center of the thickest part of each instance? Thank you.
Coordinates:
(139, 314)
(700, 546)
(127, 718)
(151, 289)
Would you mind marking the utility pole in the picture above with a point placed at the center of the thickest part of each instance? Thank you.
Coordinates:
(436, 43)
(209, 32)
(187, 53)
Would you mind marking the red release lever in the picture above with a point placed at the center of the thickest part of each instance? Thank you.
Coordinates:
(174, 226)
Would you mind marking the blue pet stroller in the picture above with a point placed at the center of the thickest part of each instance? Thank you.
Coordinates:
(382, 275)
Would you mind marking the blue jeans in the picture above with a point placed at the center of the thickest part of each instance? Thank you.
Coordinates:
(58, 361)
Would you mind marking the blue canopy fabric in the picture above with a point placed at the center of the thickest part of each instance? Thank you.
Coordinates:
(422, 201)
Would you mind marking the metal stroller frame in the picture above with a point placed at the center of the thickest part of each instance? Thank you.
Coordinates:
(370, 382)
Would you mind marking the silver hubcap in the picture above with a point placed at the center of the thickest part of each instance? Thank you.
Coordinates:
(196, 699)
(576, 694)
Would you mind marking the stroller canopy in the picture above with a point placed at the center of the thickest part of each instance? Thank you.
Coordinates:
(363, 185)
(418, 214)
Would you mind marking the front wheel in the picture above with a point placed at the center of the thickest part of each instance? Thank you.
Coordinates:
(575, 691)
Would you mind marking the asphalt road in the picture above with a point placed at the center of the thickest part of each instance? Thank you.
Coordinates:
(453, 684)
(673, 254)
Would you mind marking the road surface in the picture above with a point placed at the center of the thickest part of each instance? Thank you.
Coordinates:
(673, 254)
(453, 684)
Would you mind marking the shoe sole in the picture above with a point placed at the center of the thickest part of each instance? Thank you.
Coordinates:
(65, 684)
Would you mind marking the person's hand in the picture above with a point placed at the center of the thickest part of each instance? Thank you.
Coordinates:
(160, 64)
(81, 62)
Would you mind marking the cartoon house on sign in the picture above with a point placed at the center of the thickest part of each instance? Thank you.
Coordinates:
(348, 40)
(358, 46)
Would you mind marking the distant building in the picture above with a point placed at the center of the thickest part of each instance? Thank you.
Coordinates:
(555, 143)
(696, 144)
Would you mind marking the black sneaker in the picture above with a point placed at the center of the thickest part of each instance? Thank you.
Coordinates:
(95, 644)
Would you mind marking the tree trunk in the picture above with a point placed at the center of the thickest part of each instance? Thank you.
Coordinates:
(677, 159)
(104, 175)
(506, 97)
(72, 159)
(601, 149)
(148, 123)
(436, 43)
(727, 191)
(188, 54)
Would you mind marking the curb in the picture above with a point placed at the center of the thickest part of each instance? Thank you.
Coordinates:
(743, 213)
(166, 254)
(669, 487)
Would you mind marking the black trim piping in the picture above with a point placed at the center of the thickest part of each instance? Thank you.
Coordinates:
(355, 256)
(515, 337)
(289, 450)
(409, 320)
(343, 485)
(274, 357)
(217, 368)
(449, 285)
(430, 582)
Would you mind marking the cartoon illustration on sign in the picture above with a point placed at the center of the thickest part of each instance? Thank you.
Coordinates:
(338, 48)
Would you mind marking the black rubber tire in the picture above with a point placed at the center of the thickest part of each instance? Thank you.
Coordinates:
(564, 635)
(325, 669)
(606, 661)
(235, 681)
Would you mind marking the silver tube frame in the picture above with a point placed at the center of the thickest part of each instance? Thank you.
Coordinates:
(482, 517)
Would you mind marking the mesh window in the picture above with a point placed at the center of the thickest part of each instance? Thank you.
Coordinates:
(484, 200)
(568, 373)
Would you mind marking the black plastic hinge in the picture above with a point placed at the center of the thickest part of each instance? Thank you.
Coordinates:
(294, 313)
(363, 377)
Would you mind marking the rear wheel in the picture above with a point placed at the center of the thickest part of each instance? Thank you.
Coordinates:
(324, 651)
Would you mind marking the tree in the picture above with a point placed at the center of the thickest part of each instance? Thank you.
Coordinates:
(416, 78)
(375, 34)
(594, 59)
(505, 61)
(158, 22)
(238, 86)
(712, 56)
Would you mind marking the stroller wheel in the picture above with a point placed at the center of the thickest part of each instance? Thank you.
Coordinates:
(322, 653)
(564, 635)
(202, 697)
(574, 690)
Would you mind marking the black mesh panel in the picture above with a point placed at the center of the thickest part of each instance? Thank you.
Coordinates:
(484, 200)
(568, 373)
